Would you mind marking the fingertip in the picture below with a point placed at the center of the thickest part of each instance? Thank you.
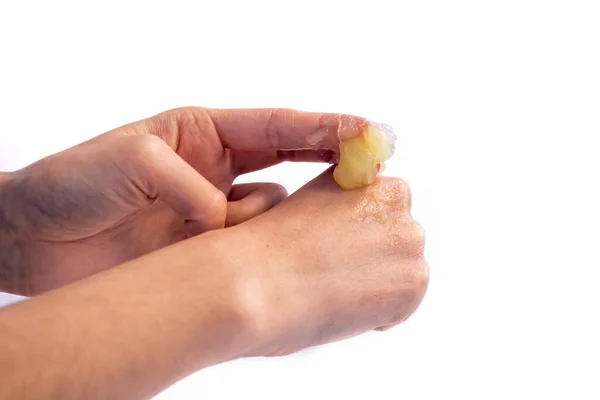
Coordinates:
(211, 215)
(278, 193)
(334, 128)
(350, 126)
(250, 200)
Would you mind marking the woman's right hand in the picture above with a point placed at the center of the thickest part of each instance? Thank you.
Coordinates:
(329, 264)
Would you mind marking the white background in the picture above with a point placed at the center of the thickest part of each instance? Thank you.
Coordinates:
(497, 108)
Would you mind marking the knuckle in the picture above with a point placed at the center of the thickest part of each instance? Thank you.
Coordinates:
(271, 130)
(189, 118)
(277, 190)
(277, 194)
(418, 282)
(421, 277)
(403, 191)
(421, 283)
(412, 286)
(216, 200)
(409, 240)
(181, 114)
(418, 238)
(179, 121)
(396, 190)
(148, 146)
(212, 212)
(401, 186)
(216, 204)
(398, 186)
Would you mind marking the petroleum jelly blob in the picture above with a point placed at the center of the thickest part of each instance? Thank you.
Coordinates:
(362, 156)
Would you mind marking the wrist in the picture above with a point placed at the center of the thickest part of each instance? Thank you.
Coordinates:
(244, 298)
(158, 318)
(266, 298)
(211, 294)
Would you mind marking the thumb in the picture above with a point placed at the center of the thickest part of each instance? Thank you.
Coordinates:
(248, 200)
(159, 172)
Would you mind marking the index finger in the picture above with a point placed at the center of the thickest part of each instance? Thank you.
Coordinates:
(283, 129)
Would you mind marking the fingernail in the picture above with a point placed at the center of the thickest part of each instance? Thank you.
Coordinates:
(350, 126)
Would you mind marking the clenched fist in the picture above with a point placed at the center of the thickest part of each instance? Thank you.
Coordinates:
(330, 264)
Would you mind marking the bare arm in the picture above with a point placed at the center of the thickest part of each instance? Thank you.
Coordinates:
(324, 265)
(128, 332)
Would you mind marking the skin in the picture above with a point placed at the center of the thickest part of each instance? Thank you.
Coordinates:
(323, 265)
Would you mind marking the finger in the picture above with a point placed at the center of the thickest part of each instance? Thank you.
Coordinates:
(156, 170)
(252, 199)
(252, 129)
(249, 161)
(283, 129)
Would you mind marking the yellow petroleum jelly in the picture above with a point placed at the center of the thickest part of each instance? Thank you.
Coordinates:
(362, 157)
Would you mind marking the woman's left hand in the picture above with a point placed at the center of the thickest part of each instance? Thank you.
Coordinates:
(149, 184)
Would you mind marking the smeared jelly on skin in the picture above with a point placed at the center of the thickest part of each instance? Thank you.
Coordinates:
(371, 208)
(383, 202)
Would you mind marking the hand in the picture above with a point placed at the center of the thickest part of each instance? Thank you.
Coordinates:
(149, 184)
(323, 265)
(331, 264)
